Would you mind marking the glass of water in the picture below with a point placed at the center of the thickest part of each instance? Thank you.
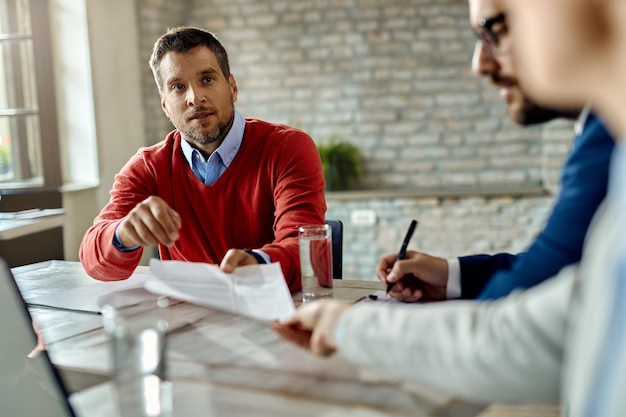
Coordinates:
(316, 263)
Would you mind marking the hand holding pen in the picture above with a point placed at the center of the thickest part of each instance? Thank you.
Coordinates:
(405, 244)
(420, 277)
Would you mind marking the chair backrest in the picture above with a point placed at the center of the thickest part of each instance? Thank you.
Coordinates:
(336, 227)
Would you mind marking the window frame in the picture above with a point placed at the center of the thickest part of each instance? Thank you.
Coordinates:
(45, 110)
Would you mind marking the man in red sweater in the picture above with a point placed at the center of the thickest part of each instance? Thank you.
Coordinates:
(220, 188)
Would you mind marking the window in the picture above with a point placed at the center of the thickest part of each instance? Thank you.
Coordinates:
(29, 155)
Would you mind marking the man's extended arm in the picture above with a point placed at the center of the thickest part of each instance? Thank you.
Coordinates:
(506, 350)
(100, 258)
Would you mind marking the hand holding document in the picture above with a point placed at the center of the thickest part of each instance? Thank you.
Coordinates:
(257, 291)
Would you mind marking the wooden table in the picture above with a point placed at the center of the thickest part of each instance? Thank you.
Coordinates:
(227, 365)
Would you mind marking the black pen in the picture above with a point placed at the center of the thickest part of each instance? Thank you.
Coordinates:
(402, 253)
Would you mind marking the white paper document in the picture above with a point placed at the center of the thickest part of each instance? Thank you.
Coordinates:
(257, 291)
(90, 298)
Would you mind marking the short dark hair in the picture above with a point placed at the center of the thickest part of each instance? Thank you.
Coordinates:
(183, 39)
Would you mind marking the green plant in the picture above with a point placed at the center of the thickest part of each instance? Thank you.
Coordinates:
(343, 165)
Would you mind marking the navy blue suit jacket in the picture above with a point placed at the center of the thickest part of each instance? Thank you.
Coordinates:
(583, 187)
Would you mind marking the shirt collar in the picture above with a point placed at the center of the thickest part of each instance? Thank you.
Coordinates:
(229, 147)
(579, 126)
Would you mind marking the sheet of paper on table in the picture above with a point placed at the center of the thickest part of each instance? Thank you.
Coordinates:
(257, 291)
(90, 298)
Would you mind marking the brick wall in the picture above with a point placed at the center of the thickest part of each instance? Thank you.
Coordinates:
(393, 78)
(448, 227)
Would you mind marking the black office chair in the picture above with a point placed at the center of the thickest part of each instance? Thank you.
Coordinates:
(336, 227)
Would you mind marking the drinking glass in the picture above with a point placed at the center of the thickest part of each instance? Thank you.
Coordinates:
(137, 340)
(316, 263)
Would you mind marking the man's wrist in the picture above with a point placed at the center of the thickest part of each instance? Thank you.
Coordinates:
(117, 242)
(258, 256)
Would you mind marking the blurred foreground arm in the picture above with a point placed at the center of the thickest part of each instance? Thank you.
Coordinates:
(507, 350)
(313, 326)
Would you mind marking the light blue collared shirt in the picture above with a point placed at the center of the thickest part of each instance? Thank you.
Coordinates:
(209, 170)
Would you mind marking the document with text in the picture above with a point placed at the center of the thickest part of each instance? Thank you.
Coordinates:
(257, 291)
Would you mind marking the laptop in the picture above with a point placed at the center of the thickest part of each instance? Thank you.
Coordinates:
(28, 386)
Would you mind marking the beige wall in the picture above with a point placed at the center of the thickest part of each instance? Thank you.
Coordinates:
(112, 72)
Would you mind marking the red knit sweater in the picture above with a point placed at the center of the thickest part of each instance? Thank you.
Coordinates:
(274, 184)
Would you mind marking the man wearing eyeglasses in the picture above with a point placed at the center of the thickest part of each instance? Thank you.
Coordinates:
(511, 350)
(583, 186)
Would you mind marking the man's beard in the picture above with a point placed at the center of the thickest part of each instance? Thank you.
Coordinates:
(202, 139)
(215, 135)
(532, 113)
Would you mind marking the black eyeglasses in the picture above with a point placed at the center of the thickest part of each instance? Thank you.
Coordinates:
(490, 38)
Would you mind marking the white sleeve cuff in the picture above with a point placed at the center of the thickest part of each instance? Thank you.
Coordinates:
(453, 288)
(263, 255)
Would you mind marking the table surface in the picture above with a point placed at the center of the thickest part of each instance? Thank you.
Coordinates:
(234, 365)
(13, 228)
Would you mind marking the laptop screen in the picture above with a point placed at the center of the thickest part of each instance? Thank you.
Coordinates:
(28, 386)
